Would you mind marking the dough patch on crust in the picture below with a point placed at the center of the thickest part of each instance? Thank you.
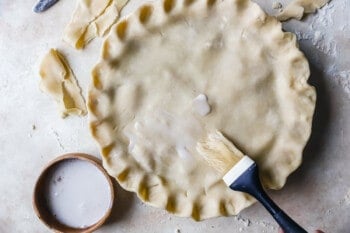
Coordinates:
(57, 80)
(297, 8)
(176, 70)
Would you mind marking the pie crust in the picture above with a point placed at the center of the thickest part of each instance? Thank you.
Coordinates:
(156, 63)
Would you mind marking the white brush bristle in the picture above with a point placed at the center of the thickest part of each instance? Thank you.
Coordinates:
(219, 152)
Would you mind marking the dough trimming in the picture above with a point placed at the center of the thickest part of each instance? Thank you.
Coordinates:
(297, 8)
(58, 80)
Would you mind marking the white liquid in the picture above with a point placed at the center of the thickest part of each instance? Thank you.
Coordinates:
(201, 105)
(78, 193)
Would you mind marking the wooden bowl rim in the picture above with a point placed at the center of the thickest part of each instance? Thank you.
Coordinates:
(61, 227)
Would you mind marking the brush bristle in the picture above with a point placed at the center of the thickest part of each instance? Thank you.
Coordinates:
(219, 152)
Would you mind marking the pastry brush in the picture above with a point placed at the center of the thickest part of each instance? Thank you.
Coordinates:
(241, 173)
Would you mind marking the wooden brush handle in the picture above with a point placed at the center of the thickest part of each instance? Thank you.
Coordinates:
(249, 182)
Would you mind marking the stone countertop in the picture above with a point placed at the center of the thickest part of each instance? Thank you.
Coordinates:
(32, 133)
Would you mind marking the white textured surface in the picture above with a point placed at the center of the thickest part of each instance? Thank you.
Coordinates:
(317, 194)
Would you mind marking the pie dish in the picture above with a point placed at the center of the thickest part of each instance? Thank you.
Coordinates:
(175, 70)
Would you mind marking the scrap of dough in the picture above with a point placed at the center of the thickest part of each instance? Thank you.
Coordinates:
(297, 8)
(92, 18)
(57, 80)
(158, 60)
(277, 5)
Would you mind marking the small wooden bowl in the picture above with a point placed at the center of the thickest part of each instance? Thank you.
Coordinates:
(39, 200)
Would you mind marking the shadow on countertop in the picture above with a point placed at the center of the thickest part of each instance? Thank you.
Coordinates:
(312, 153)
(123, 203)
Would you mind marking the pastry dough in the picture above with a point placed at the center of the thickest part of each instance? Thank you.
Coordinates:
(91, 18)
(57, 79)
(297, 8)
(251, 83)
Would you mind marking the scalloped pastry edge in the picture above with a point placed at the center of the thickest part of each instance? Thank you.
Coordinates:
(130, 176)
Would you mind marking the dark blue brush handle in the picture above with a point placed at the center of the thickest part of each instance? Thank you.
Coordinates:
(249, 182)
(44, 5)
